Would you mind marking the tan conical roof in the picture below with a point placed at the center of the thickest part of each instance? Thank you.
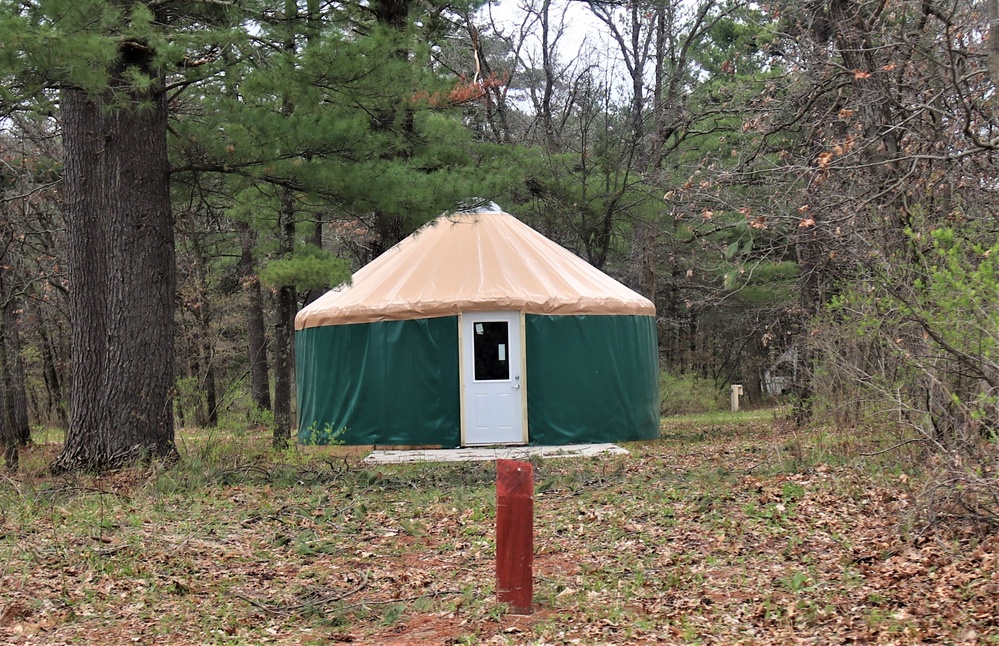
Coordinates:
(473, 262)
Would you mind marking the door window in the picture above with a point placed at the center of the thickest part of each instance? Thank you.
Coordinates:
(491, 350)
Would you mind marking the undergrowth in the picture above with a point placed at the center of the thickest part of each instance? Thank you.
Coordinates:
(689, 393)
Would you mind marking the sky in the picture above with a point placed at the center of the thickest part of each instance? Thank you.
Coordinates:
(584, 37)
(582, 29)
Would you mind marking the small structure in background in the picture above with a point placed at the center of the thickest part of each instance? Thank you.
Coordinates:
(736, 393)
(782, 373)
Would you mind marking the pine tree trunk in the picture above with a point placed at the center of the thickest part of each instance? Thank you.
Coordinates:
(257, 341)
(53, 379)
(86, 229)
(202, 346)
(17, 394)
(992, 9)
(208, 356)
(13, 395)
(546, 108)
(284, 353)
(313, 295)
(255, 331)
(121, 270)
(810, 257)
(283, 366)
(9, 440)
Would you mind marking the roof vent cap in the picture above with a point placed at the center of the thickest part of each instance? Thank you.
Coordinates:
(478, 205)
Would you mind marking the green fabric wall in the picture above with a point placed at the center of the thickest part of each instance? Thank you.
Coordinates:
(392, 382)
(592, 379)
(589, 379)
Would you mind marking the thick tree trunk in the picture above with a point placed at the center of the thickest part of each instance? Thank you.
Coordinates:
(121, 271)
(86, 228)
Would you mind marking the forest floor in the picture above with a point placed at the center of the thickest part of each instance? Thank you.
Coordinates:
(727, 530)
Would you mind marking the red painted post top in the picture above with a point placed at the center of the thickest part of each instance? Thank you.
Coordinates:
(514, 478)
(515, 534)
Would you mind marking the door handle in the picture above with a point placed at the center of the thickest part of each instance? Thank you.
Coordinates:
(516, 386)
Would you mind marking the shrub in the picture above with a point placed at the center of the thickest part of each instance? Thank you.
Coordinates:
(689, 393)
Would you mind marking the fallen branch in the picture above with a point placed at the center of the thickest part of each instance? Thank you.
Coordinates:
(892, 448)
(312, 604)
(383, 602)
(284, 610)
(13, 483)
(246, 470)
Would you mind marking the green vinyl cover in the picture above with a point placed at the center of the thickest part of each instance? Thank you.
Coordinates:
(387, 382)
(592, 379)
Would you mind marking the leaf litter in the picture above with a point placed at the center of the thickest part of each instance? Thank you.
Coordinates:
(741, 533)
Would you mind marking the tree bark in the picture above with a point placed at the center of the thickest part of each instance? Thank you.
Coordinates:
(14, 396)
(54, 378)
(992, 7)
(17, 396)
(313, 295)
(122, 274)
(284, 354)
(546, 112)
(260, 389)
(8, 436)
(203, 347)
(284, 362)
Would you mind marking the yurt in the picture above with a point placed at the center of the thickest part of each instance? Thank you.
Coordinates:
(476, 331)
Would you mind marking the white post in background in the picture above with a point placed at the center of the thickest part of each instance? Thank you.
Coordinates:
(736, 392)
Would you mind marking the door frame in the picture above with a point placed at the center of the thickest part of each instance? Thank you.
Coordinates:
(462, 377)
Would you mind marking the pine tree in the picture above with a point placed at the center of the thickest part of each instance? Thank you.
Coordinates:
(336, 115)
(106, 66)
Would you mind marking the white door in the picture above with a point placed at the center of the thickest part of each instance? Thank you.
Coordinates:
(493, 390)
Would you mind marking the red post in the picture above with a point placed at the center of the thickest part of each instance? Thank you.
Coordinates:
(515, 534)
